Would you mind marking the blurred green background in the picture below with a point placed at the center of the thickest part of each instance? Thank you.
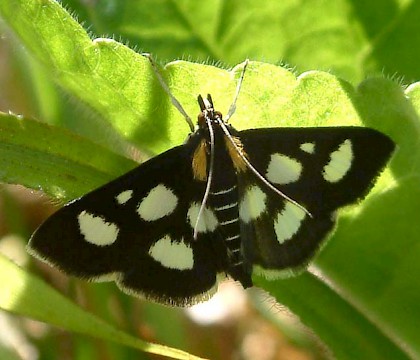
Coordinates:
(353, 40)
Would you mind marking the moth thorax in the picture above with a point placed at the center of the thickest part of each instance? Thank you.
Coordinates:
(234, 154)
(199, 161)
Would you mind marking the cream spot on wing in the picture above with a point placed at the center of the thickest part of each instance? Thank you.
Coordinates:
(253, 204)
(96, 230)
(124, 196)
(283, 169)
(207, 222)
(158, 203)
(288, 222)
(339, 163)
(172, 254)
(308, 147)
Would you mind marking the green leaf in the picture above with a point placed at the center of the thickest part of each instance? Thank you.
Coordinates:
(345, 329)
(54, 160)
(352, 39)
(107, 76)
(26, 295)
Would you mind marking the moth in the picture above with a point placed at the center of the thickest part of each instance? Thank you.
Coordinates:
(224, 203)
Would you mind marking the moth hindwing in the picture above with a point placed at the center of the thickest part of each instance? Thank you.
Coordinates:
(226, 202)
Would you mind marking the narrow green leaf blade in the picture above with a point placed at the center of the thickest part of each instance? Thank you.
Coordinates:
(26, 295)
(53, 160)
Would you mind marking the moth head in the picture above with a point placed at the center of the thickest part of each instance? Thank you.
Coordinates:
(207, 112)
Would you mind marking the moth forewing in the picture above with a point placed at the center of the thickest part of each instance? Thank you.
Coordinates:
(323, 169)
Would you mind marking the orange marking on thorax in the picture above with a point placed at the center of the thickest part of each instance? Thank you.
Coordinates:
(199, 161)
(237, 161)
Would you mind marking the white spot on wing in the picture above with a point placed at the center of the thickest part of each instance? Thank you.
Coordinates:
(283, 169)
(340, 162)
(96, 230)
(288, 222)
(158, 203)
(308, 147)
(123, 197)
(208, 220)
(253, 204)
(172, 254)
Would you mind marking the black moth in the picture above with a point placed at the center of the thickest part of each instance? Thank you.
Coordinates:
(225, 202)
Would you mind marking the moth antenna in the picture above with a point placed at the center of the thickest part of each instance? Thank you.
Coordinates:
(209, 178)
(232, 108)
(165, 87)
(255, 171)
